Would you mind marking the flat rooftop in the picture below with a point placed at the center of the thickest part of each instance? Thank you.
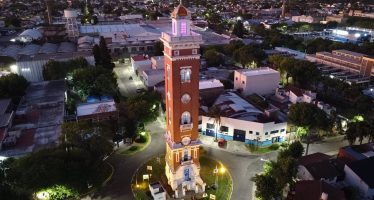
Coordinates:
(258, 71)
(211, 83)
(350, 52)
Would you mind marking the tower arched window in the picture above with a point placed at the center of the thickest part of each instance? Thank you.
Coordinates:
(186, 118)
(186, 75)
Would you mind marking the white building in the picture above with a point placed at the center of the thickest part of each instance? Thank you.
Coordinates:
(297, 95)
(157, 62)
(360, 174)
(157, 191)
(261, 81)
(241, 121)
(140, 63)
(31, 67)
(153, 76)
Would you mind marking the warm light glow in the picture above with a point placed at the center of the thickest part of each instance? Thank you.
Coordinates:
(42, 195)
(222, 170)
(142, 133)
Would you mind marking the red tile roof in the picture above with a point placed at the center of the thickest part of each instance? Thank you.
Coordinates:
(312, 190)
(139, 58)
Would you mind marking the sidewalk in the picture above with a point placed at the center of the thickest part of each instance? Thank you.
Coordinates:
(231, 146)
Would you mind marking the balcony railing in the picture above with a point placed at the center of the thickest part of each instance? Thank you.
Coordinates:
(186, 127)
(187, 162)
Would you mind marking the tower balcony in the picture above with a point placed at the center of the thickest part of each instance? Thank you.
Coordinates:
(169, 37)
(186, 127)
(187, 161)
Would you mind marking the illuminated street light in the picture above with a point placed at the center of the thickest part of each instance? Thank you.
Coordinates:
(142, 133)
(222, 170)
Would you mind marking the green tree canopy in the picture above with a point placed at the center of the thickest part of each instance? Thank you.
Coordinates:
(57, 70)
(249, 54)
(13, 86)
(238, 29)
(213, 58)
(308, 115)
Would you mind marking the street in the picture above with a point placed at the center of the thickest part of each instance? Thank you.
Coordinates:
(242, 165)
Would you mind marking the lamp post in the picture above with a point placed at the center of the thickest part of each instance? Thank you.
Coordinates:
(215, 172)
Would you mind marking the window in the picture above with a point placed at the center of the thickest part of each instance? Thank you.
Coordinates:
(224, 129)
(250, 132)
(243, 82)
(185, 156)
(174, 29)
(195, 152)
(186, 118)
(266, 133)
(236, 78)
(176, 53)
(282, 130)
(273, 132)
(177, 156)
(257, 133)
(194, 51)
(183, 28)
(185, 75)
(209, 126)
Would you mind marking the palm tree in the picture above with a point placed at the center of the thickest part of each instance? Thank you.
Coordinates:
(215, 113)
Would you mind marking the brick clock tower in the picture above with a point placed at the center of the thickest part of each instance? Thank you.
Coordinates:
(182, 63)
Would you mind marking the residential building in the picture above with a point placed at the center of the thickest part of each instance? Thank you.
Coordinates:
(38, 118)
(153, 76)
(315, 190)
(297, 95)
(157, 62)
(345, 60)
(360, 174)
(6, 118)
(242, 121)
(140, 63)
(261, 81)
(356, 152)
(157, 191)
(320, 167)
(209, 90)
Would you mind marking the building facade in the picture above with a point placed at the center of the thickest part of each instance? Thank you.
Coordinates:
(182, 64)
(261, 81)
(241, 121)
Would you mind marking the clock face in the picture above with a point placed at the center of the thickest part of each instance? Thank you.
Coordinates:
(186, 141)
(186, 98)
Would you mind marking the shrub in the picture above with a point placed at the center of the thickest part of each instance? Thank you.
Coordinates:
(274, 147)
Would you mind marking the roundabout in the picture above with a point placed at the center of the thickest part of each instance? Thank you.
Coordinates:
(216, 176)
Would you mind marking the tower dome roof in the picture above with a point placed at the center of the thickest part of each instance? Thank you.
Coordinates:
(179, 11)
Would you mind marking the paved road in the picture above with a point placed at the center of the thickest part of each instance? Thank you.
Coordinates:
(241, 166)
(126, 86)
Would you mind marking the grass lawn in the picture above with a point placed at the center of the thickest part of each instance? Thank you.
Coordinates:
(137, 147)
(140, 187)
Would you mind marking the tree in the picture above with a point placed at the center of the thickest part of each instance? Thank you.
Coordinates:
(94, 81)
(106, 59)
(238, 29)
(213, 58)
(249, 55)
(97, 54)
(266, 187)
(13, 86)
(229, 49)
(308, 116)
(295, 150)
(159, 48)
(57, 70)
(215, 113)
